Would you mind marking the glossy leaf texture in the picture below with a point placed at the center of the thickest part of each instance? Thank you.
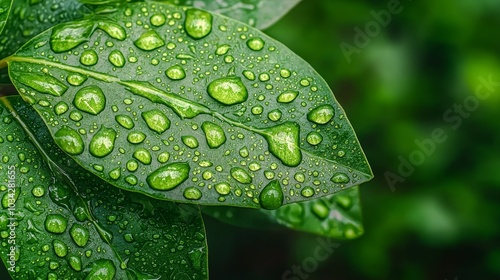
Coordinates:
(336, 216)
(257, 13)
(184, 105)
(82, 228)
(4, 12)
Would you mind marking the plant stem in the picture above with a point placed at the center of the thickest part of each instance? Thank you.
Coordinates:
(3, 63)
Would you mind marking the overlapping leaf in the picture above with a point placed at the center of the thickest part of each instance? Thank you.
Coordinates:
(4, 12)
(184, 105)
(337, 216)
(54, 226)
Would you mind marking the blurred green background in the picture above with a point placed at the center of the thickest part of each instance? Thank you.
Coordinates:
(442, 222)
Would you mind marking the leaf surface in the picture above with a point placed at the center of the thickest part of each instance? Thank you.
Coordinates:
(59, 221)
(4, 12)
(336, 216)
(185, 105)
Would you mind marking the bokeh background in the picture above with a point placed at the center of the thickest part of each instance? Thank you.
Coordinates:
(442, 222)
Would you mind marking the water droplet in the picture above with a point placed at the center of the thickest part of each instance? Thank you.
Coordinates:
(115, 173)
(307, 192)
(156, 120)
(163, 157)
(38, 191)
(116, 58)
(214, 134)
(340, 178)
(198, 23)
(271, 197)
(240, 175)
(60, 248)
(257, 110)
(175, 73)
(314, 138)
(228, 91)
(102, 270)
(149, 41)
(274, 115)
(285, 73)
(69, 140)
(143, 156)
(125, 121)
(131, 180)
(136, 137)
(255, 44)
(157, 20)
(305, 82)
(61, 108)
(192, 193)
(76, 263)
(283, 142)
(90, 99)
(89, 58)
(79, 234)
(287, 96)
(223, 188)
(76, 79)
(55, 223)
(254, 166)
(76, 116)
(169, 176)
(41, 83)
(321, 114)
(190, 141)
(114, 30)
(132, 165)
(222, 50)
(300, 177)
(103, 142)
(68, 36)
(249, 75)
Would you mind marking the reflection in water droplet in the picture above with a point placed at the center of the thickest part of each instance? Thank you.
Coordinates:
(143, 156)
(192, 193)
(156, 120)
(116, 58)
(321, 114)
(307, 192)
(38, 191)
(240, 175)
(55, 223)
(90, 99)
(271, 197)
(283, 142)
(79, 234)
(163, 157)
(103, 142)
(255, 44)
(198, 23)
(287, 96)
(136, 137)
(214, 134)
(169, 176)
(175, 73)
(60, 248)
(149, 41)
(314, 138)
(228, 91)
(125, 121)
(69, 140)
(89, 58)
(340, 178)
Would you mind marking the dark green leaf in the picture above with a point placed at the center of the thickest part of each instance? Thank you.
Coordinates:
(67, 224)
(4, 12)
(336, 216)
(209, 111)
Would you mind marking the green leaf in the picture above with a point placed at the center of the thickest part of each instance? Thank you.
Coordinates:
(257, 13)
(183, 105)
(4, 12)
(59, 221)
(337, 216)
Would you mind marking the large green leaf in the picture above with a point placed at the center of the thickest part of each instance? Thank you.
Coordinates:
(184, 105)
(4, 12)
(54, 226)
(337, 216)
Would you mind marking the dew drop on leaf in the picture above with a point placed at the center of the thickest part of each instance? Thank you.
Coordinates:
(41, 83)
(228, 91)
(103, 142)
(156, 120)
(283, 142)
(136, 137)
(114, 30)
(271, 197)
(55, 223)
(143, 156)
(240, 175)
(69, 140)
(67, 36)
(223, 188)
(223, 49)
(198, 23)
(314, 138)
(60, 248)
(255, 44)
(116, 58)
(214, 134)
(169, 176)
(287, 96)
(89, 58)
(307, 192)
(90, 99)
(149, 41)
(76, 79)
(175, 73)
(79, 234)
(274, 115)
(190, 141)
(340, 178)
(249, 75)
(75, 262)
(321, 114)
(192, 193)
(125, 121)
(158, 20)
(101, 269)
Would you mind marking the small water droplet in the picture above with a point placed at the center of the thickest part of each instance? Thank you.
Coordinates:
(116, 58)
(228, 91)
(314, 138)
(149, 41)
(190, 141)
(79, 234)
(307, 192)
(75, 263)
(285, 73)
(249, 75)
(255, 44)
(321, 114)
(254, 166)
(222, 50)
(131, 180)
(136, 137)
(60, 248)
(223, 188)
(76, 79)
(90, 99)
(340, 178)
(287, 96)
(69, 140)
(271, 197)
(169, 176)
(214, 134)
(125, 121)
(163, 157)
(158, 20)
(240, 175)
(244, 152)
(55, 223)
(132, 165)
(115, 173)
(198, 23)
(38, 191)
(305, 82)
(89, 58)
(156, 120)
(103, 142)
(175, 73)
(143, 156)
(192, 193)
(101, 269)
(61, 108)
(283, 143)
(114, 30)
(257, 110)
(274, 115)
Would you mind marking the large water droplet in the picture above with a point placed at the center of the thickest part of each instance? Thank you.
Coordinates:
(149, 41)
(321, 114)
(60, 248)
(136, 137)
(125, 121)
(75, 263)
(55, 223)
(79, 234)
(116, 58)
(169, 176)
(41, 83)
(287, 96)
(192, 193)
(214, 134)
(307, 192)
(101, 269)
(67, 36)
(156, 120)
(314, 138)
(228, 91)
(340, 178)
(89, 58)
(69, 140)
(198, 23)
(103, 142)
(223, 188)
(90, 99)
(175, 73)
(240, 175)
(255, 44)
(190, 141)
(271, 197)
(114, 30)
(143, 156)
(283, 142)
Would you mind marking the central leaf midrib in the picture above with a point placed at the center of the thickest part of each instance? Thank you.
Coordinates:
(113, 79)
